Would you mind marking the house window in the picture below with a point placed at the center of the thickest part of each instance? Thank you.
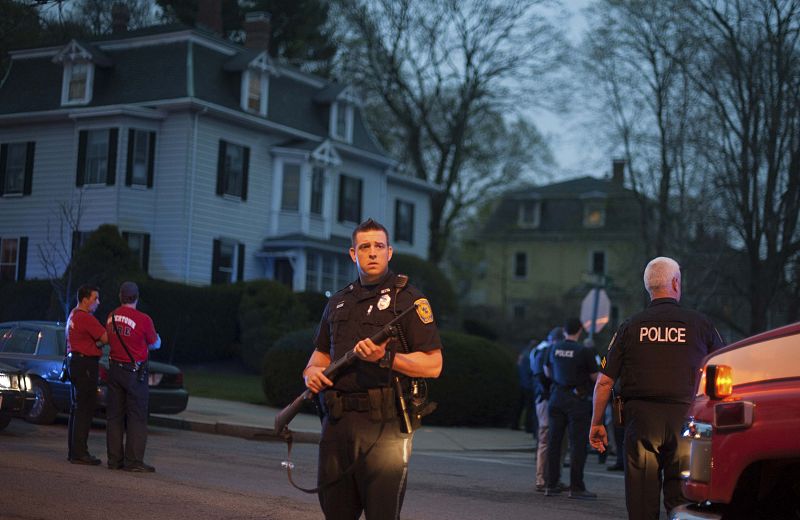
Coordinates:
(290, 194)
(529, 213)
(518, 311)
(255, 87)
(594, 215)
(598, 262)
(13, 258)
(350, 199)
(342, 121)
(77, 86)
(139, 244)
(404, 221)
(78, 239)
(317, 189)
(232, 166)
(328, 272)
(344, 271)
(227, 263)
(520, 265)
(16, 168)
(141, 158)
(97, 156)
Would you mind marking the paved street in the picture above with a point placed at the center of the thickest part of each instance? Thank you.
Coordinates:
(221, 477)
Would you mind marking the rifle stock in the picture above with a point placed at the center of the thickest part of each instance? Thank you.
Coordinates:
(285, 416)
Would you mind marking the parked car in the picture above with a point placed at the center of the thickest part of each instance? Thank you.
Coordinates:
(37, 349)
(14, 396)
(742, 436)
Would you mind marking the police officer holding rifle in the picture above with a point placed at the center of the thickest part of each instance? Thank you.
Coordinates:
(365, 443)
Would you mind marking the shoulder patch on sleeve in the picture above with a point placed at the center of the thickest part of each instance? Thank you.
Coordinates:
(424, 310)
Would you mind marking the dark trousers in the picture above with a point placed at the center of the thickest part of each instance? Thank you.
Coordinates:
(524, 410)
(126, 416)
(569, 413)
(377, 483)
(83, 399)
(652, 431)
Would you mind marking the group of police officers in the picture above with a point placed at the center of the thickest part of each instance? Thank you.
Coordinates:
(366, 439)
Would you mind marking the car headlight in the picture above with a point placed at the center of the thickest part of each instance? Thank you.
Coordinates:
(9, 381)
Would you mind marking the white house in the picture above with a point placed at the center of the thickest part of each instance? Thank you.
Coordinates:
(217, 163)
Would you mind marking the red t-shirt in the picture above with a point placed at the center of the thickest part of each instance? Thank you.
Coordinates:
(136, 329)
(83, 332)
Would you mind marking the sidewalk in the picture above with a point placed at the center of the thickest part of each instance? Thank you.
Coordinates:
(251, 421)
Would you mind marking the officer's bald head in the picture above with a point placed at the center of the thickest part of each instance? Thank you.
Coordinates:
(658, 278)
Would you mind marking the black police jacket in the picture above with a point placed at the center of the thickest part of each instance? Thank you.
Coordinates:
(658, 352)
(357, 312)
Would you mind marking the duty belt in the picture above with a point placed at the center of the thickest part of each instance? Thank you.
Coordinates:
(355, 402)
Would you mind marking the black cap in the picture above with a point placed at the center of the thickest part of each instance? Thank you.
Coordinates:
(128, 292)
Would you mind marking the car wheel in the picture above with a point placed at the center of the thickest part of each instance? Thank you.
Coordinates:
(42, 411)
(4, 420)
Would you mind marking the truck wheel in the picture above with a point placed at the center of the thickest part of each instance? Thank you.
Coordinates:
(43, 411)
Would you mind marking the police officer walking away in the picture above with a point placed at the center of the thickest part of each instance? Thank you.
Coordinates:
(84, 331)
(658, 354)
(541, 391)
(363, 452)
(573, 370)
(131, 334)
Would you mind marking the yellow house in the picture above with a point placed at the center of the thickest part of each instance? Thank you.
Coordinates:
(545, 247)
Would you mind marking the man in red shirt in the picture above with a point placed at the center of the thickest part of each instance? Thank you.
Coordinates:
(84, 331)
(131, 334)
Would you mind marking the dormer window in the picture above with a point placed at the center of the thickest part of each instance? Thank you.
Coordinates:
(594, 215)
(342, 121)
(255, 68)
(529, 213)
(79, 61)
(255, 89)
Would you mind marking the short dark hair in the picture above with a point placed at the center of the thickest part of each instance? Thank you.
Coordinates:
(572, 325)
(369, 225)
(85, 291)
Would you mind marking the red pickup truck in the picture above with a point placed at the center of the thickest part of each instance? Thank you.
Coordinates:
(741, 443)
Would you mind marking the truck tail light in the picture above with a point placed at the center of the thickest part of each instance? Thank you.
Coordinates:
(719, 381)
(738, 414)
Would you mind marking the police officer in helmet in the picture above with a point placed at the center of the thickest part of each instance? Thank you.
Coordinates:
(657, 353)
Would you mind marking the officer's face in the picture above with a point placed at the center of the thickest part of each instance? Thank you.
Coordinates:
(371, 255)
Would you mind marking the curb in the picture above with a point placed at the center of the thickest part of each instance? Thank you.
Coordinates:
(242, 431)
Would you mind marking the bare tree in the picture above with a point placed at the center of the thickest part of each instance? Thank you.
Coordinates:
(748, 70)
(55, 253)
(448, 73)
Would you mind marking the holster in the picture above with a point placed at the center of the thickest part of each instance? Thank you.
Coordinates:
(617, 405)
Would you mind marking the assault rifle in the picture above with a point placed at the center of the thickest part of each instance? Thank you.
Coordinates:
(286, 415)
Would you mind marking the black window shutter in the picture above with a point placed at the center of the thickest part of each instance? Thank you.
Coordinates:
(29, 153)
(76, 242)
(129, 162)
(22, 257)
(360, 194)
(151, 158)
(113, 135)
(245, 169)
(215, 262)
(3, 156)
(125, 236)
(146, 253)
(82, 137)
(240, 262)
(221, 168)
(342, 211)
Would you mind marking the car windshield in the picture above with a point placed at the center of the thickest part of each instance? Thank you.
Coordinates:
(61, 341)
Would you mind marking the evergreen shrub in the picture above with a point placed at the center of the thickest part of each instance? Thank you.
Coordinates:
(282, 379)
(478, 385)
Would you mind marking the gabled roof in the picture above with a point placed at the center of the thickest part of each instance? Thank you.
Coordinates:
(561, 211)
(177, 62)
(76, 50)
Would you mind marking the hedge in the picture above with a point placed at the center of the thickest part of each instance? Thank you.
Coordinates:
(283, 367)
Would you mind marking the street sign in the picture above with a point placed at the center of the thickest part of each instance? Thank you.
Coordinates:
(595, 307)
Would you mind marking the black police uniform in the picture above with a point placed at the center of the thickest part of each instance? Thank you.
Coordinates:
(658, 354)
(571, 365)
(361, 424)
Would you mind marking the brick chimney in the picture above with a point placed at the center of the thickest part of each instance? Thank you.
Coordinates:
(618, 171)
(257, 30)
(209, 15)
(120, 16)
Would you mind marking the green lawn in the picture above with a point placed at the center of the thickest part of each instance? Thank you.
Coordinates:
(224, 385)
